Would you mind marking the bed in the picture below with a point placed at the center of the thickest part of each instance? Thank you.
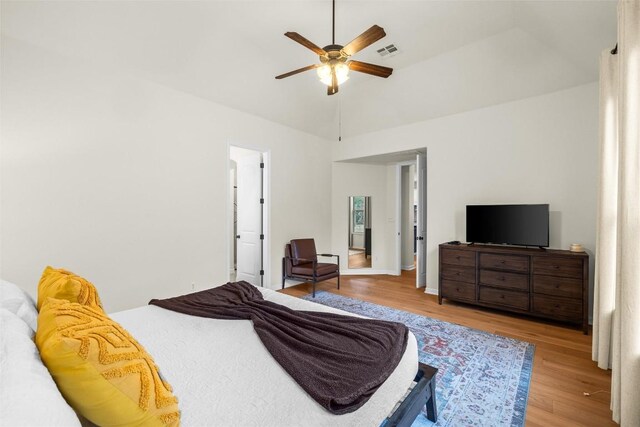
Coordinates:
(224, 376)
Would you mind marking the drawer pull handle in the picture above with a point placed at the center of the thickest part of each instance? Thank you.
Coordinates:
(502, 261)
(557, 306)
(458, 257)
(502, 296)
(457, 273)
(501, 278)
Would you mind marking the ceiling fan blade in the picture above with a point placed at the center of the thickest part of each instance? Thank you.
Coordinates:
(333, 88)
(374, 70)
(299, 70)
(365, 39)
(304, 42)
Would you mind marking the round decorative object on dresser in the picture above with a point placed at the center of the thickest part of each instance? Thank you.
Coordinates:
(576, 247)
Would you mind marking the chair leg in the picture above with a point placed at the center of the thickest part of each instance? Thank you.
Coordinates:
(338, 280)
(283, 273)
(314, 288)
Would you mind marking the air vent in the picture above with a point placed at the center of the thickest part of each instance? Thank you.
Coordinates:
(389, 50)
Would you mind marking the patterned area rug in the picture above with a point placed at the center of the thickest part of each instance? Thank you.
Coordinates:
(483, 379)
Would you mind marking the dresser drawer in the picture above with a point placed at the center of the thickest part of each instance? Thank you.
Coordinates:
(558, 286)
(557, 266)
(505, 262)
(458, 290)
(568, 309)
(459, 274)
(506, 280)
(457, 257)
(504, 297)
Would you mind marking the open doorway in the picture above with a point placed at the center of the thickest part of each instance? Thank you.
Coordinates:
(412, 211)
(379, 178)
(248, 210)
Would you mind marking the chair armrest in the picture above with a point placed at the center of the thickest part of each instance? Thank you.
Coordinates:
(332, 255)
(298, 259)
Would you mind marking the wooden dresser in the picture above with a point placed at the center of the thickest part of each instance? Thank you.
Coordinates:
(551, 283)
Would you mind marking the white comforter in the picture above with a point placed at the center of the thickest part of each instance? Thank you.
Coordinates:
(224, 376)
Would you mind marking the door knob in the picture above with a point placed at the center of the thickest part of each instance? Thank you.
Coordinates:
(237, 236)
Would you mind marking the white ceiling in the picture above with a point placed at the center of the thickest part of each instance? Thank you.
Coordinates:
(454, 55)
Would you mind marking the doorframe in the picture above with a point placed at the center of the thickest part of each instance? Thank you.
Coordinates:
(266, 219)
(399, 165)
(425, 206)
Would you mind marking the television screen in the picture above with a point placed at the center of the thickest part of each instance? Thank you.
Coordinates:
(526, 225)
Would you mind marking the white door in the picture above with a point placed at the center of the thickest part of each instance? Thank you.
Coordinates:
(249, 218)
(421, 223)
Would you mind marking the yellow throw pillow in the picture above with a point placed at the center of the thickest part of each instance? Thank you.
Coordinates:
(62, 284)
(101, 370)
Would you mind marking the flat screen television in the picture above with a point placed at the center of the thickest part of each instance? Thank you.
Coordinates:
(525, 225)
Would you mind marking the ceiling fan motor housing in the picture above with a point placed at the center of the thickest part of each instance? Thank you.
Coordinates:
(334, 54)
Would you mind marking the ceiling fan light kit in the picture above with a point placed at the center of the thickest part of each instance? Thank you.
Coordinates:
(326, 71)
(335, 65)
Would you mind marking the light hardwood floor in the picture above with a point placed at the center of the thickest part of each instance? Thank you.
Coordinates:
(562, 368)
(358, 260)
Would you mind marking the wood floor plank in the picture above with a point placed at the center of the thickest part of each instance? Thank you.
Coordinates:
(562, 366)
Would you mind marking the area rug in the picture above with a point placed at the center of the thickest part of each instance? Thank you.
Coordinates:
(483, 379)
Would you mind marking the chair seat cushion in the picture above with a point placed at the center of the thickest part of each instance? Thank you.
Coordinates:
(322, 269)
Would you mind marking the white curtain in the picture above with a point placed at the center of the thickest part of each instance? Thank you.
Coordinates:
(616, 317)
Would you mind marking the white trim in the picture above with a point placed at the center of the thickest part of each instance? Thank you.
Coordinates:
(398, 266)
(399, 218)
(430, 291)
(406, 163)
(409, 267)
(291, 282)
(367, 271)
(229, 227)
(266, 219)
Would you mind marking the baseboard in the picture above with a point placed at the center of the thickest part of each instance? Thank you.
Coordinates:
(291, 282)
(430, 291)
(408, 267)
(366, 271)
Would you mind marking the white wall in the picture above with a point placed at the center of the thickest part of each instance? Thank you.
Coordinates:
(126, 182)
(354, 179)
(537, 150)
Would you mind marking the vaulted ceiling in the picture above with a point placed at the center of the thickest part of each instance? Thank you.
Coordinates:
(454, 56)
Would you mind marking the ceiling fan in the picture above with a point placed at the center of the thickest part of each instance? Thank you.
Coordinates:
(335, 64)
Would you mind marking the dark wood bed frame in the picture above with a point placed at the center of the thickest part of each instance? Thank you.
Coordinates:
(423, 393)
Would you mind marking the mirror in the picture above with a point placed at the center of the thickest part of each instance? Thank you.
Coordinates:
(359, 232)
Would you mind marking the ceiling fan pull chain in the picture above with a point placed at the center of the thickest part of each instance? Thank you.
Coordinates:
(339, 119)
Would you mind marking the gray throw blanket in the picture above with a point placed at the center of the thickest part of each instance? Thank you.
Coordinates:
(340, 361)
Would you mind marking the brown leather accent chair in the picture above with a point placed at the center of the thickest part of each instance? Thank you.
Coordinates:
(300, 262)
